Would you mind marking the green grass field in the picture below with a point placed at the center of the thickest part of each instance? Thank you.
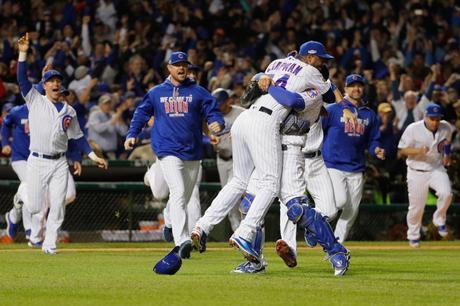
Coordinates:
(121, 274)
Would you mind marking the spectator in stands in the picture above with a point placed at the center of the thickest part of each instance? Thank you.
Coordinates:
(104, 126)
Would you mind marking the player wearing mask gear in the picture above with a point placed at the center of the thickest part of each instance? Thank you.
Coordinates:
(426, 143)
(179, 106)
(345, 143)
(47, 167)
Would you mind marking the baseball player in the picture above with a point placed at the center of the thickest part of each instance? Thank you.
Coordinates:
(345, 143)
(224, 147)
(51, 124)
(179, 106)
(426, 143)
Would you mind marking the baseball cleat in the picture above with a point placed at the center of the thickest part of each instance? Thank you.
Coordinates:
(414, 243)
(185, 249)
(310, 240)
(246, 248)
(340, 263)
(248, 267)
(27, 233)
(11, 228)
(199, 239)
(442, 231)
(35, 245)
(50, 251)
(286, 253)
(167, 234)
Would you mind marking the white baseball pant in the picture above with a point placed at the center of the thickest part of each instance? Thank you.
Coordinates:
(225, 169)
(418, 184)
(181, 177)
(348, 191)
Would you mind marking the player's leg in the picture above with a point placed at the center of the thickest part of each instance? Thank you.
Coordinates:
(57, 193)
(155, 179)
(339, 184)
(225, 169)
(319, 186)
(194, 205)
(439, 181)
(417, 185)
(71, 193)
(355, 186)
(14, 216)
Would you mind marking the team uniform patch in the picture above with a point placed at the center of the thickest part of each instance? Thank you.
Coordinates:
(66, 122)
(312, 93)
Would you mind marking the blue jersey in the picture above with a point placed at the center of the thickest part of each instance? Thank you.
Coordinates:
(16, 124)
(344, 143)
(179, 112)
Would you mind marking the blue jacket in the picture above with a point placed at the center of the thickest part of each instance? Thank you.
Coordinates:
(344, 145)
(179, 112)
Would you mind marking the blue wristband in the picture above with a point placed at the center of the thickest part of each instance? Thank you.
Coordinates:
(447, 149)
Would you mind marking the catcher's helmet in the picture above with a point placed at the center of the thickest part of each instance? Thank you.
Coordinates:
(169, 264)
(221, 95)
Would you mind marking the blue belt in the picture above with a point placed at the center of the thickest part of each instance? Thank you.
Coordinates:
(56, 156)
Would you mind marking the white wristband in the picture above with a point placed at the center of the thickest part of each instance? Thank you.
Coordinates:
(93, 156)
(22, 56)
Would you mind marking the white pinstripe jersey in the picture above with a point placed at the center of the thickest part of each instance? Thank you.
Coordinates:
(50, 130)
(314, 139)
(417, 135)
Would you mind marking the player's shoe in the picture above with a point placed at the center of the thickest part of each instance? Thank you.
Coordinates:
(185, 249)
(248, 267)
(11, 228)
(340, 262)
(199, 239)
(168, 234)
(286, 253)
(27, 233)
(35, 245)
(50, 251)
(310, 240)
(442, 231)
(414, 243)
(246, 248)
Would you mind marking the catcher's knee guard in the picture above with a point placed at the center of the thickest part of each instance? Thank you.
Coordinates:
(245, 204)
(295, 209)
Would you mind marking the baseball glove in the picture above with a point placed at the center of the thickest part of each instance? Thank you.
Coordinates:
(251, 94)
(294, 125)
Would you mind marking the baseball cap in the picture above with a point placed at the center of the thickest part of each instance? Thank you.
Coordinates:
(314, 48)
(104, 99)
(169, 264)
(433, 110)
(51, 74)
(354, 78)
(178, 57)
(221, 95)
(64, 91)
(438, 87)
(257, 76)
(384, 107)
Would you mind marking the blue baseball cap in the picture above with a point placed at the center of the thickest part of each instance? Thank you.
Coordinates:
(221, 95)
(178, 57)
(51, 74)
(314, 48)
(257, 76)
(354, 78)
(169, 264)
(438, 87)
(64, 91)
(433, 110)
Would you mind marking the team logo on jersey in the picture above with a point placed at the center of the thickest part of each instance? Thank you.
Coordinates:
(176, 106)
(312, 93)
(355, 127)
(25, 123)
(441, 145)
(65, 123)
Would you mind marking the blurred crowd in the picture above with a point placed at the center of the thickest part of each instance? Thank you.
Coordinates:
(112, 52)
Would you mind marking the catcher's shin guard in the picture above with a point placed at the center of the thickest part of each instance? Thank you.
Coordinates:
(245, 204)
(259, 239)
(311, 220)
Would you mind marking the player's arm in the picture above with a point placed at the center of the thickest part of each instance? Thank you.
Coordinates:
(325, 88)
(407, 145)
(141, 116)
(288, 98)
(374, 141)
(24, 84)
(74, 155)
(210, 112)
(6, 132)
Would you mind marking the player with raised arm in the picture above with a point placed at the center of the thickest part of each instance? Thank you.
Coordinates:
(51, 123)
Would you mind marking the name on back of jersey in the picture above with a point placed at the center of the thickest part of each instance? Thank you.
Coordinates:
(176, 106)
(285, 66)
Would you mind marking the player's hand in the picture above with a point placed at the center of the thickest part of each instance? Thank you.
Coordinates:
(102, 163)
(265, 82)
(348, 116)
(215, 127)
(214, 140)
(129, 143)
(447, 161)
(77, 168)
(6, 150)
(23, 43)
(380, 153)
(46, 68)
(423, 150)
